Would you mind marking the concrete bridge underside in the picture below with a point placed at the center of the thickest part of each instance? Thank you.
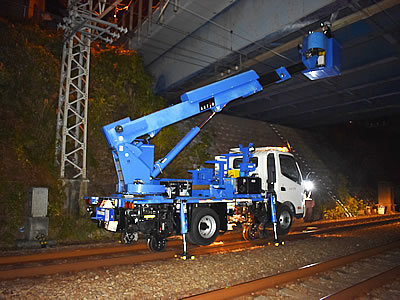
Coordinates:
(187, 44)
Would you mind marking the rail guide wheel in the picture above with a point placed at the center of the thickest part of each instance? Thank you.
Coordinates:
(250, 232)
(156, 244)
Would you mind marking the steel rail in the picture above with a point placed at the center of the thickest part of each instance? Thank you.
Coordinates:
(77, 266)
(346, 221)
(39, 257)
(366, 285)
(77, 253)
(82, 265)
(271, 281)
(345, 227)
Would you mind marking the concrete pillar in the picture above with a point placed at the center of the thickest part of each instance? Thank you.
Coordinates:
(75, 191)
(36, 228)
(38, 201)
(386, 195)
(37, 222)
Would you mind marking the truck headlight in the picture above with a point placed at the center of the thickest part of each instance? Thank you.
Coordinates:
(308, 185)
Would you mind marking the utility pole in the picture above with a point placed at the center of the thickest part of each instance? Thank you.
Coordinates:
(84, 24)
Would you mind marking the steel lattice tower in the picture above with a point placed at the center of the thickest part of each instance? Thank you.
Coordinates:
(83, 25)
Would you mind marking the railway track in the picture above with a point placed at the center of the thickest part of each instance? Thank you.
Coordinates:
(12, 267)
(334, 279)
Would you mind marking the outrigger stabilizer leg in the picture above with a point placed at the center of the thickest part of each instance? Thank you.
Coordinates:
(277, 242)
(184, 230)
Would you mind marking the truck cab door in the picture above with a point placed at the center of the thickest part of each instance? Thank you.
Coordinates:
(288, 186)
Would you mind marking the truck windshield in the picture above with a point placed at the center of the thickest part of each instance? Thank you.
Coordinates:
(289, 168)
(238, 161)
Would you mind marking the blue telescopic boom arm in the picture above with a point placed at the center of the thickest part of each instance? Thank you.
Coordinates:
(212, 97)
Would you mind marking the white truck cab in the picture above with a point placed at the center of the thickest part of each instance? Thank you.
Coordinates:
(289, 186)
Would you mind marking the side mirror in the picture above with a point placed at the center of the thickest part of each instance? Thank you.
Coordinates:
(309, 176)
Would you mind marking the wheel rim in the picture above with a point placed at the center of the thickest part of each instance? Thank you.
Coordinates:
(253, 232)
(285, 219)
(156, 244)
(207, 227)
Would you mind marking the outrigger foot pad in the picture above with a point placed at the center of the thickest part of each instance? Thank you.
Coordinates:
(185, 256)
(276, 243)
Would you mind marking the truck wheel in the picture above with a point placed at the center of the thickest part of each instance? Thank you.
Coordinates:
(156, 244)
(189, 239)
(129, 237)
(204, 226)
(284, 217)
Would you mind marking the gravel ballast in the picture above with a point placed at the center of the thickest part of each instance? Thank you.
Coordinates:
(173, 279)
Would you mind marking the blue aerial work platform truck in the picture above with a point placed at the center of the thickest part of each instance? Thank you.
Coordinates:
(202, 207)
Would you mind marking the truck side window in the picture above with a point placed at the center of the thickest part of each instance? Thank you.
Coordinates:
(289, 168)
(238, 161)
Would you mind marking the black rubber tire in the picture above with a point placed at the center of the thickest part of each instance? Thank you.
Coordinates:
(284, 217)
(189, 239)
(204, 227)
(156, 244)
